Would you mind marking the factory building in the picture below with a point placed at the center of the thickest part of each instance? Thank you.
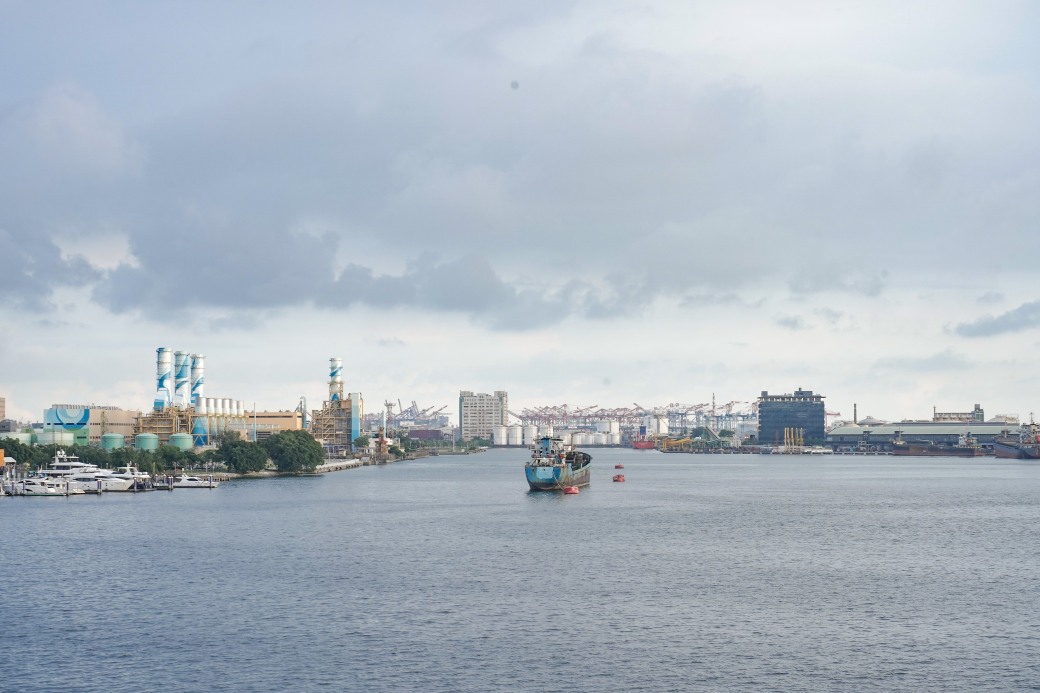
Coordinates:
(791, 419)
(338, 423)
(480, 413)
(267, 423)
(84, 424)
(882, 436)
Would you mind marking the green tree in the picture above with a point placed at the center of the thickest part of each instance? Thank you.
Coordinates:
(242, 456)
(294, 452)
(361, 442)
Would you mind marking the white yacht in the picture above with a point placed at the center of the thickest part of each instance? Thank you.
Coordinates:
(46, 486)
(184, 481)
(86, 477)
(142, 480)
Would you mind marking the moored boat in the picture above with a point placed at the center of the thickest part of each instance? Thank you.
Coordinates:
(184, 481)
(554, 466)
(643, 444)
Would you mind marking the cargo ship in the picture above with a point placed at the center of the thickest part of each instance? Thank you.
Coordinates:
(644, 443)
(1025, 445)
(965, 447)
(554, 466)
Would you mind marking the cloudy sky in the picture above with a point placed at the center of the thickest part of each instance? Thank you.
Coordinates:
(593, 203)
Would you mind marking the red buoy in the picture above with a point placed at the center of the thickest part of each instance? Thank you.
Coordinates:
(619, 466)
(619, 477)
(570, 490)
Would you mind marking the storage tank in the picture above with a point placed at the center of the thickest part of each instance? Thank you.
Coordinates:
(55, 436)
(530, 435)
(516, 435)
(601, 438)
(20, 437)
(146, 441)
(182, 441)
(615, 438)
(500, 435)
(615, 427)
(112, 441)
(603, 427)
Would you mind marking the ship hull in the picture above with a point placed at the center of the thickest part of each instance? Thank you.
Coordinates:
(937, 451)
(643, 444)
(1014, 451)
(556, 478)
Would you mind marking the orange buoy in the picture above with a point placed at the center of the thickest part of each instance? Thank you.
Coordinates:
(619, 477)
(570, 490)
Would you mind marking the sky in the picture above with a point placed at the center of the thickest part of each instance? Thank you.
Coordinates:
(599, 203)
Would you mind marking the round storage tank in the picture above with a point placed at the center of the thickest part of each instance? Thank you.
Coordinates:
(146, 441)
(182, 441)
(615, 439)
(23, 438)
(530, 434)
(516, 435)
(500, 435)
(55, 436)
(615, 427)
(602, 427)
(602, 438)
(112, 441)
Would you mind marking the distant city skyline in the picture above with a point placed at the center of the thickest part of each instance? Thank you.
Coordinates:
(587, 203)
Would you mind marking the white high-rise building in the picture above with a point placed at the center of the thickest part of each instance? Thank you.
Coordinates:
(480, 413)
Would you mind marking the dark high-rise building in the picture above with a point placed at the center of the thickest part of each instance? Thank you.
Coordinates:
(784, 417)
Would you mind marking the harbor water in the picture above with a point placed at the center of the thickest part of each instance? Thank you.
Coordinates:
(699, 573)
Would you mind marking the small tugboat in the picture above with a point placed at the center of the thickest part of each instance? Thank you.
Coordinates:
(554, 466)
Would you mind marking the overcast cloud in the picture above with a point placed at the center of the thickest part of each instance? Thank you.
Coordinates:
(467, 182)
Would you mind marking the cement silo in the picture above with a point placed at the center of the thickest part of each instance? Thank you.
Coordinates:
(515, 435)
(335, 379)
(163, 372)
(198, 377)
(181, 377)
(500, 435)
(530, 435)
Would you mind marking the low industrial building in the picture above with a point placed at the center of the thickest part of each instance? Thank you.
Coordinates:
(881, 437)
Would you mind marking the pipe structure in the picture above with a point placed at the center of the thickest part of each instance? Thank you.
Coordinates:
(198, 377)
(163, 371)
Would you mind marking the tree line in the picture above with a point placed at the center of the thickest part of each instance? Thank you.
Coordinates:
(288, 452)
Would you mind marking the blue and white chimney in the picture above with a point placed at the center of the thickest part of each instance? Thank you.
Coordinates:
(335, 379)
(198, 378)
(180, 378)
(163, 372)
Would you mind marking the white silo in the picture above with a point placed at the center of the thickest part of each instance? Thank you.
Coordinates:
(515, 435)
(615, 438)
(163, 372)
(602, 438)
(602, 427)
(615, 427)
(180, 378)
(335, 379)
(500, 435)
(198, 377)
(530, 435)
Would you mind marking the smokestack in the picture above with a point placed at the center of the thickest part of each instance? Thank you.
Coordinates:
(335, 379)
(180, 377)
(855, 417)
(162, 378)
(198, 377)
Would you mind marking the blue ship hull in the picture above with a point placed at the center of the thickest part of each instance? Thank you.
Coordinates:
(555, 478)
